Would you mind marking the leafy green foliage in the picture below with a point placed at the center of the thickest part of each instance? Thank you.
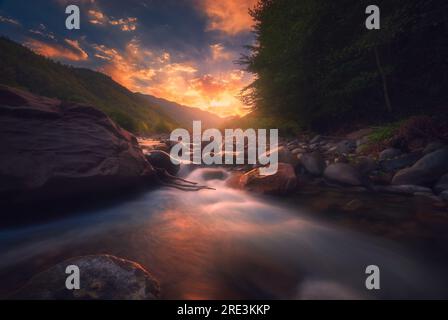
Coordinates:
(317, 64)
(20, 67)
(383, 133)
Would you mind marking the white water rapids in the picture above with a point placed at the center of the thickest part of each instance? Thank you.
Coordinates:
(223, 243)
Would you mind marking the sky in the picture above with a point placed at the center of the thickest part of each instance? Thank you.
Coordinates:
(179, 50)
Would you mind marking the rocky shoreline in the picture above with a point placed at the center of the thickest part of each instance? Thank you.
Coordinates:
(339, 162)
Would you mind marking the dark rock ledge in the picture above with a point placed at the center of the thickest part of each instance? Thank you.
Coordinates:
(57, 151)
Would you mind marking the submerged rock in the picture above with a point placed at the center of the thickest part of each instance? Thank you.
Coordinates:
(366, 165)
(54, 150)
(433, 146)
(282, 182)
(214, 174)
(103, 277)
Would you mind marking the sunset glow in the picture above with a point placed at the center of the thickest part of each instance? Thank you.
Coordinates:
(187, 57)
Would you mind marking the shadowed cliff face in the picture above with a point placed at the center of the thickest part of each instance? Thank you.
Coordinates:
(53, 150)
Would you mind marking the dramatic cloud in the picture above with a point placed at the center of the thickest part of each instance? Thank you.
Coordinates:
(41, 30)
(125, 24)
(9, 20)
(219, 53)
(182, 51)
(147, 71)
(229, 16)
(73, 52)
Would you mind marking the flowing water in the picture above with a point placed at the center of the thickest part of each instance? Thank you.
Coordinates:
(223, 243)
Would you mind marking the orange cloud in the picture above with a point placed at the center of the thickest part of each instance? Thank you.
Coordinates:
(125, 24)
(218, 52)
(129, 68)
(229, 16)
(142, 70)
(73, 53)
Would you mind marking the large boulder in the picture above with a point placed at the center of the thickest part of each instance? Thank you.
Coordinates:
(343, 173)
(102, 277)
(425, 171)
(433, 146)
(313, 162)
(400, 162)
(442, 184)
(53, 150)
(282, 182)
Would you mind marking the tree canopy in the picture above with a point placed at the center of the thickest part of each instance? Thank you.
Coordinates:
(317, 63)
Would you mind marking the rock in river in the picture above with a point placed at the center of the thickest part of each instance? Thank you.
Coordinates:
(425, 171)
(313, 162)
(161, 159)
(282, 182)
(442, 184)
(343, 173)
(389, 153)
(53, 150)
(102, 277)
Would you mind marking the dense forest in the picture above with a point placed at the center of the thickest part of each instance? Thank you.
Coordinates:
(22, 68)
(319, 67)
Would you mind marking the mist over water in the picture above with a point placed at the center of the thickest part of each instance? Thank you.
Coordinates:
(223, 243)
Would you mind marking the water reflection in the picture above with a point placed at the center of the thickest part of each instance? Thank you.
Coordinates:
(222, 243)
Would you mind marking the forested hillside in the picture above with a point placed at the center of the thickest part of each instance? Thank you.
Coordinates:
(317, 64)
(184, 115)
(20, 67)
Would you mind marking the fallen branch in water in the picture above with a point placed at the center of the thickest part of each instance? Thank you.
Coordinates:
(168, 180)
(187, 187)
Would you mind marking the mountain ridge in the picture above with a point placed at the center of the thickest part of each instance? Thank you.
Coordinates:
(22, 68)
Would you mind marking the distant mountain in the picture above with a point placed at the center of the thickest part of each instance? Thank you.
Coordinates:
(184, 115)
(22, 68)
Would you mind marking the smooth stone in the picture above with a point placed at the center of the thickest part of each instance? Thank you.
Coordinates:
(389, 153)
(366, 165)
(400, 162)
(425, 171)
(343, 173)
(313, 162)
(442, 184)
(282, 182)
(102, 277)
(316, 139)
(444, 195)
(345, 146)
(433, 146)
(296, 151)
(214, 174)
